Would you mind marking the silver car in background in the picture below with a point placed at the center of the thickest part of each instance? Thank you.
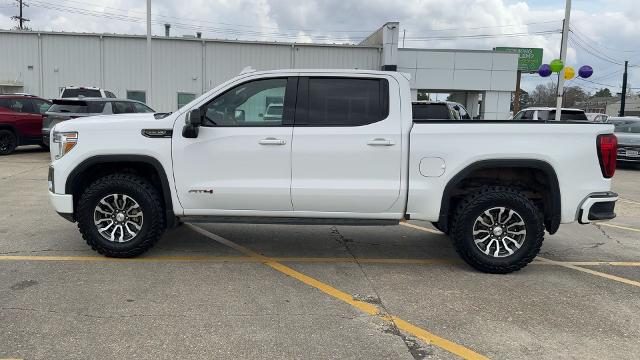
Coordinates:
(627, 130)
(65, 109)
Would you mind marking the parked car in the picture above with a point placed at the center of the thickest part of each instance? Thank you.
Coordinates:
(85, 91)
(439, 110)
(274, 112)
(65, 109)
(549, 113)
(21, 121)
(627, 129)
(346, 150)
(597, 117)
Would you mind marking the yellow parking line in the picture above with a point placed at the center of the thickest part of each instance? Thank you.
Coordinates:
(592, 272)
(129, 260)
(433, 231)
(243, 259)
(618, 226)
(574, 267)
(365, 307)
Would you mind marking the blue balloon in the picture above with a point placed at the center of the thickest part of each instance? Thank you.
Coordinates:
(544, 70)
(585, 71)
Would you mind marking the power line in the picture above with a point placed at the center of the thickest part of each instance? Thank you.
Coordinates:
(582, 34)
(482, 36)
(224, 31)
(95, 5)
(583, 47)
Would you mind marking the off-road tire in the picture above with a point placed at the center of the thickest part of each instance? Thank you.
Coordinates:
(145, 194)
(475, 204)
(8, 142)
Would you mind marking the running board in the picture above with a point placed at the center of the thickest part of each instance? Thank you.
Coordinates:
(287, 220)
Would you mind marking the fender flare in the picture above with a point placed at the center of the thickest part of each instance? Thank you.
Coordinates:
(103, 159)
(552, 220)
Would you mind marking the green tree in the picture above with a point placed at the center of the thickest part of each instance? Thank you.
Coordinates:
(604, 92)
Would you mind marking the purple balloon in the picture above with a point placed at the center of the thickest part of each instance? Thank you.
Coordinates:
(585, 71)
(544, 70)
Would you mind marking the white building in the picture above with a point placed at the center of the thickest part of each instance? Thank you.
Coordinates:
(42, 63)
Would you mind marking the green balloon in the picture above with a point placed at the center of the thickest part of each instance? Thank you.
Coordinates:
(556, 65)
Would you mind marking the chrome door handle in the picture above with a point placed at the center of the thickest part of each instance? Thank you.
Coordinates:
(272, 141)
(380, 142)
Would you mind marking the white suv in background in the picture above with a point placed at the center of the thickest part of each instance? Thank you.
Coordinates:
(549, 113)
(85, 91)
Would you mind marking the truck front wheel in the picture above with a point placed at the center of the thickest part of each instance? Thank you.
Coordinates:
(497, 230)
(120, 215)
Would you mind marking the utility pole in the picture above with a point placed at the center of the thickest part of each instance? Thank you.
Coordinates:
(149, 56)
(624, 89)
(516, 96)
(21, 20)
(563, 57)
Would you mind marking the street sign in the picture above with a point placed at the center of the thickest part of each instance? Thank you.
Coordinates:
(529, 59)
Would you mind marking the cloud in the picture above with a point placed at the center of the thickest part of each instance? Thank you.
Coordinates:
(603, 28)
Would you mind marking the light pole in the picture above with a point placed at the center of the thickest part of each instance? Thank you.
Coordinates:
(149, 57)
(563, 57)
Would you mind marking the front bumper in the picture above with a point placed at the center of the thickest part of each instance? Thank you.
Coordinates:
(629, 153)
(599, 206)
(63, 204)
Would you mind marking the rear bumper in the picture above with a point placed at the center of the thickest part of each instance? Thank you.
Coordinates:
(598, 206)
(63, 204)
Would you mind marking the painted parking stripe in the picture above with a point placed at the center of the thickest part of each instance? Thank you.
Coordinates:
(617, 226)
(295, 259)
(578, 268)
(592, 272)
(365, 307)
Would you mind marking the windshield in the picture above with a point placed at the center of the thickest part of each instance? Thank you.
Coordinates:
(626, 126)
(564, 115)
(71, 93)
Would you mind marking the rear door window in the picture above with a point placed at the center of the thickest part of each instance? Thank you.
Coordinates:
(345, 102)
(431, 112)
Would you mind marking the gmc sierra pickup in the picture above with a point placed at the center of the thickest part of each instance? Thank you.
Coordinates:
(345, 150)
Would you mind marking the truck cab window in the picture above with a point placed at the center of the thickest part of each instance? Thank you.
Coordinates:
(347, 102)
(256, 103)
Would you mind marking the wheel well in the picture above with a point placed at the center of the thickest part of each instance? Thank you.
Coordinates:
(10, 128)
(93, 169)
(537, 181)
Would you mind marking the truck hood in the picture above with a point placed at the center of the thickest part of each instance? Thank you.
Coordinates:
(112, 122)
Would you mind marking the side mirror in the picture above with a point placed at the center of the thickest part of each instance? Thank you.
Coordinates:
(193, 120)
(239, 115)
(261, 115)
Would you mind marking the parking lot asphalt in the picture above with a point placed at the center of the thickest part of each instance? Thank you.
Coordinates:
(313, 292)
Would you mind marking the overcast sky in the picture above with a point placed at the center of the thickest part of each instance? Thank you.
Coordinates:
(606, 32)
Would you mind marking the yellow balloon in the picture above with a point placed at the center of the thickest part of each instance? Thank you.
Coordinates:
(569, 73)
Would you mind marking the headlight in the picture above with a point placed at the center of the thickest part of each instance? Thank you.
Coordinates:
(66, 141)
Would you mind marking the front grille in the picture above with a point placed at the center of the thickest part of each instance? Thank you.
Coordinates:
(624, 149)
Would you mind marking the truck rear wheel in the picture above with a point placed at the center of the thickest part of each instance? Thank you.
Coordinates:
(120, 215)
(497, 230)
(8, 142)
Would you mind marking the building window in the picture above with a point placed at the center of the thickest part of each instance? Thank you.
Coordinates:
(137, 95)
(185, 98)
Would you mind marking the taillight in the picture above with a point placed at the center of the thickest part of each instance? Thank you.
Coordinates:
(607, 154)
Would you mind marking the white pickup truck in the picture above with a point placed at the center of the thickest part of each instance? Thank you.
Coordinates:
(345, 151)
